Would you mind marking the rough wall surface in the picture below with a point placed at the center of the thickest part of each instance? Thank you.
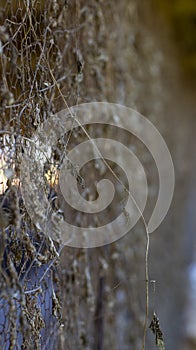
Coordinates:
(94, 51)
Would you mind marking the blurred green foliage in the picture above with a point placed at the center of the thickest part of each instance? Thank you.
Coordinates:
(181, 16)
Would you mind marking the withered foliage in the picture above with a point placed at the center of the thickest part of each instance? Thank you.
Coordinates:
(55, 54)
(38, 56)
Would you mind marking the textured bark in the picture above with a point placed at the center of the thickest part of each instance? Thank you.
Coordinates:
(100, 51)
